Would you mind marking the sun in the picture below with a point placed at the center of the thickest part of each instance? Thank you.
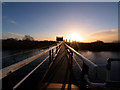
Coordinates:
(74, 37)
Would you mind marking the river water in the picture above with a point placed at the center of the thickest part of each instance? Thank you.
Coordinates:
(100, 58)
(10, 57)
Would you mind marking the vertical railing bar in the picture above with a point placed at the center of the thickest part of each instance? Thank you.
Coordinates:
(83, 83)
(49, 66)
(10, 80)
(88, 64)
(49, 56)
(52, 49)
(12, 68)
(87, 61)
(71, 58)
(108, 70)
(109, 67)
(52, 54)
(56, 49)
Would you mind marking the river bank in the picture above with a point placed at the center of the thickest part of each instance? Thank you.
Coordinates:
(13, 44)
(95, 46)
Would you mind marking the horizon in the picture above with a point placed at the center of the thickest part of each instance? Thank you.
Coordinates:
(83, 22)
(71, 41)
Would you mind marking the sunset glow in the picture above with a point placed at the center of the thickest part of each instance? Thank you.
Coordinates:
(79, 21)
(74, 37)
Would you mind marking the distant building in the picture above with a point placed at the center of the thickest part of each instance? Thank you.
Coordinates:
(59, 39)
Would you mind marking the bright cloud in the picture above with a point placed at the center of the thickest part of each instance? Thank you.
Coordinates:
(106, 32)
(6, 35)
(104, 35)
(11, 35)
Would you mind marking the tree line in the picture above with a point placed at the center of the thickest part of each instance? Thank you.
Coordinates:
(27, 42)
(96, 46)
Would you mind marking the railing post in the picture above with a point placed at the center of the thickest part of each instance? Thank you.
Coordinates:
(108, 69)
(49, 56)
(52, 54)
(84, 72)
(59, 46)
(10, 81)
(56, 49)
(71, 58)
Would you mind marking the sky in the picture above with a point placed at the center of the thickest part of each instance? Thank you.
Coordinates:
(81, 21)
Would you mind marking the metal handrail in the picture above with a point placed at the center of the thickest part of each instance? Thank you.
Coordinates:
(85, 60)
(77, 63)
(18, 53)
(109, 61)
(21, 81)
(88, 64)
(12, 68)
(93, 84)
(29, 73)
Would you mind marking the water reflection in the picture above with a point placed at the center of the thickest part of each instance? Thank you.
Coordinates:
(101, 58)
(99, 75)
(10, 57)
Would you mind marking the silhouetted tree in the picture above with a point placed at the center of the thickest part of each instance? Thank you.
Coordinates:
(99, 42)
(28, 38)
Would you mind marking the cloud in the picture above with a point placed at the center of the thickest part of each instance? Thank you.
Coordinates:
(12, 21)
(12, 35)
(105, 32)
(104, 35)
(7, 19)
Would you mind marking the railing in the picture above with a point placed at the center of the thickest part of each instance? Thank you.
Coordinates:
(53, 51)
(87, 64)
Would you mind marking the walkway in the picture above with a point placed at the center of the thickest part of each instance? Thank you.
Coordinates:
(59, 74)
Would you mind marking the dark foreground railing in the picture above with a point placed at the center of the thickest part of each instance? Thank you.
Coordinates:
(87, 64)
(53, 51)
